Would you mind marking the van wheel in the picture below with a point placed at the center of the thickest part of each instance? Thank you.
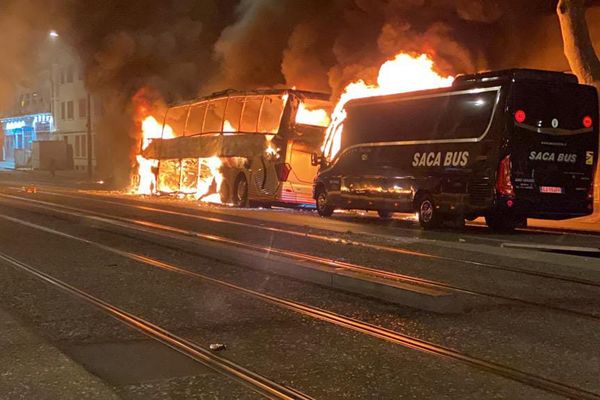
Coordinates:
(323, 207)
(383, 214)
(429, 218)
(240, 191)
(505, 223)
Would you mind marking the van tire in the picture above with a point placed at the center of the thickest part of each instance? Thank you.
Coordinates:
(240, 192)
(323, 207)
(429, 217)
(384, 214)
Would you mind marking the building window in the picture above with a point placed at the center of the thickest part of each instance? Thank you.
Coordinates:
(70, 74)
(80, 72)
(77, 146)
(62, 111)
(98, 107)
(82, 108)
(70, 110)
(62, 76)
(83, 146)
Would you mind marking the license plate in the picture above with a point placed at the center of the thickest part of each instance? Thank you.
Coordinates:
(551, 189)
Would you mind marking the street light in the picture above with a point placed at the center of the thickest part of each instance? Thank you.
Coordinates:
(53, 34)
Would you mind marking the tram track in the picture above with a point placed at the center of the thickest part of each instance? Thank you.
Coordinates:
(260, 384)
(334, 240)
(175, 233)
(254, 381)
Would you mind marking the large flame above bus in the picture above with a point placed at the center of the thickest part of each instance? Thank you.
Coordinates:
(405, 73)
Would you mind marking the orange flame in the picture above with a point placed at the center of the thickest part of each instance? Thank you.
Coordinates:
(316, 117)
(405, 73)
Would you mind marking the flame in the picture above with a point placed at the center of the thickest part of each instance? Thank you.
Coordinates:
(210, 180)
(405, 73)
(228, 127)
(151, 129)
(316, 117)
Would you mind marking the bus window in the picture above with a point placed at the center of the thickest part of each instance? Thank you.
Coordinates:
(176, 118)
(271, 113)
(233, 114)
(250, 115)
(214, 116)
(196, 119)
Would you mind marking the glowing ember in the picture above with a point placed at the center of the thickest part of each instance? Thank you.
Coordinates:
(404, 73)
(315, 117)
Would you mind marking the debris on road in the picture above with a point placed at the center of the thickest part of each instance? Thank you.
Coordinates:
(217, 347)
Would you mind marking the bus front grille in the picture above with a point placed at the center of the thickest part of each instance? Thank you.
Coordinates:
(480, 192)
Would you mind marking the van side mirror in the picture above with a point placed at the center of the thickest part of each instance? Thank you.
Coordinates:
(316, 159)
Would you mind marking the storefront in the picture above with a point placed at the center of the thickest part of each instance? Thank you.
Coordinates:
(20, 132)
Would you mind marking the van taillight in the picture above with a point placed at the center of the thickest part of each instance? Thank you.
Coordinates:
(520, 116)
(504, 184)
(283, 171)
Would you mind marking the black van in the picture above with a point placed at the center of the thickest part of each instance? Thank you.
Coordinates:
(506, 145)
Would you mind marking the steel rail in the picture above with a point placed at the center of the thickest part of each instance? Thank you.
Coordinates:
(253, 380)
(407, 341)
(169, 231)
(330, 239)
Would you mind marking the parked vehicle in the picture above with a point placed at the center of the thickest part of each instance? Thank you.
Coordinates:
(505, 145)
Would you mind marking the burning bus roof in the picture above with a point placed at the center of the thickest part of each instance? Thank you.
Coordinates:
(256, 92)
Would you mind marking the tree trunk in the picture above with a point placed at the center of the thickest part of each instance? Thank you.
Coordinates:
(578, 45)
(582, 57)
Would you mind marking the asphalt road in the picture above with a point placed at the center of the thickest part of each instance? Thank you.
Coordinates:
(531, 315)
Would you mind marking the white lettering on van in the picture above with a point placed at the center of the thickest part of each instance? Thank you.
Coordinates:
(434, 159)
(553, 157)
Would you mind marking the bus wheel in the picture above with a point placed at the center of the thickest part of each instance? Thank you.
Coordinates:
(383, 214)
(323, 207)
(240, 191)
(429, 218)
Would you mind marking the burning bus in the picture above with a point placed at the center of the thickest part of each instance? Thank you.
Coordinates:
(239, 148)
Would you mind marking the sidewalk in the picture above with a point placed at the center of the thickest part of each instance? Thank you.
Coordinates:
(32, 368)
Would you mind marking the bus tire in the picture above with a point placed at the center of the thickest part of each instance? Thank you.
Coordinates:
(323, 207)
(240, 191)
(429, 218)
(385, 214)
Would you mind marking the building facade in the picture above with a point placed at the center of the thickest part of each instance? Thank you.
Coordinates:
(73, 107)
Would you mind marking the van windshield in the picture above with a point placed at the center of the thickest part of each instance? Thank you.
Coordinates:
(548, 105)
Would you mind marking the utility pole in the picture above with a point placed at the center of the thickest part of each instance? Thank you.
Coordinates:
(89, 136)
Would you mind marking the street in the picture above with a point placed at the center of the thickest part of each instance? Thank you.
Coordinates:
(146, 297)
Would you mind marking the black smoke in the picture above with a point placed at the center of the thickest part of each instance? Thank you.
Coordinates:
(159, 51)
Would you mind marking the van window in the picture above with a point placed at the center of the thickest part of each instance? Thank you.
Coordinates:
(449, 116)
(542, 103)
